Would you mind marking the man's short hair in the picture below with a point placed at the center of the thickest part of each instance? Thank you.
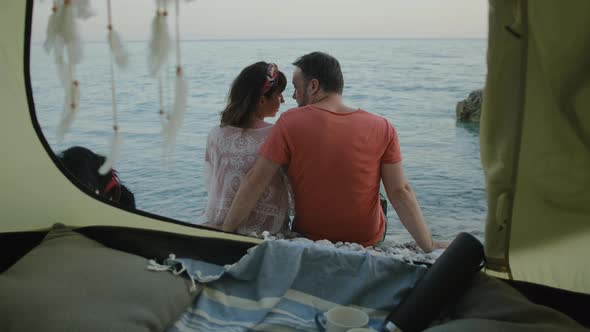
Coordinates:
(323, 67)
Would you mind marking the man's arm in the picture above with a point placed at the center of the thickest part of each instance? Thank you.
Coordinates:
(251, 188)
(406, 206)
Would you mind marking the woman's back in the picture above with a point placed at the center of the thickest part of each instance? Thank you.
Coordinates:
(231, 152)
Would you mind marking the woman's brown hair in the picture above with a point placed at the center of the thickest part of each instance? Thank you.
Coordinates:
(246, 91)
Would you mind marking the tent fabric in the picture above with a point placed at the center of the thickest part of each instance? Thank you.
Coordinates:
(535, 140)
(499, 128)
(490, 305)
(535, 146)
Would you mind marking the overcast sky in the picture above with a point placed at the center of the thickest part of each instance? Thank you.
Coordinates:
(202, 19)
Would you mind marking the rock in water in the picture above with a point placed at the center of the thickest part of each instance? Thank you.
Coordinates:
(469, 110)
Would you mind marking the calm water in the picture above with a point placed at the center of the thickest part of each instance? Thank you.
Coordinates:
(413, 83)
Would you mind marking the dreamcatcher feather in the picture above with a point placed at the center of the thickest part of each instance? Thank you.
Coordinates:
(54, 42)
(52, 28)
(61, 65)
(114, 155)
(119, 53)
(69, 33)
(159, 46)
(176, 117)
(119, 56)
(63, 38)
(83, 9)
(71, 100)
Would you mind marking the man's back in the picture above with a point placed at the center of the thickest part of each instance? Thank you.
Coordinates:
(334, 164)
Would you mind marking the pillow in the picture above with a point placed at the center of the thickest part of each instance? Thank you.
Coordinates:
(72, 283)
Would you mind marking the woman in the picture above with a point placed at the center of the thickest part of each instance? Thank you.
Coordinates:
(231, 150)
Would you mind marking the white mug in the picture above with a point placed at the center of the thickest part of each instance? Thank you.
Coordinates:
(342, 319)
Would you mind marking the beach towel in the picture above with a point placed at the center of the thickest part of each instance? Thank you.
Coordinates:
(282, 285)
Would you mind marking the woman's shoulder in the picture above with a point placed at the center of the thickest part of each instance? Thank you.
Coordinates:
(260, 124)
(215, 130)
(218, 130)
(231, 133)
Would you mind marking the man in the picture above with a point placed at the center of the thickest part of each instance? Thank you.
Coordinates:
(336, 157)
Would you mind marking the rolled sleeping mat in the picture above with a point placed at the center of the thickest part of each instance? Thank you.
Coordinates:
(445, 280)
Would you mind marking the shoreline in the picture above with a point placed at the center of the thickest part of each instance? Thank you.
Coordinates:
(404, 251)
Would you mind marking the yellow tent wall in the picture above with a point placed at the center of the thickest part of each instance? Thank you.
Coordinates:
(535, 142)
(535, 139)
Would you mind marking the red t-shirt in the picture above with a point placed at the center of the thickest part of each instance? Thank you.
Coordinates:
(334, 164)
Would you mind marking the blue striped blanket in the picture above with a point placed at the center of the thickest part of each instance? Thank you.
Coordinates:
(281, 285)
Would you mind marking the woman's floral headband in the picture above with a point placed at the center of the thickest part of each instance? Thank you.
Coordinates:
(272, 72)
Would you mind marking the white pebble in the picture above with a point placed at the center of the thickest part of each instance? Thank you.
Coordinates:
(407, 252)
(325, 243)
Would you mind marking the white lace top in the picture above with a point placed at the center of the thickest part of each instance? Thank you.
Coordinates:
(230, 154)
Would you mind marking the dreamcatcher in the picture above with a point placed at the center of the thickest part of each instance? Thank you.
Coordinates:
(64, 42)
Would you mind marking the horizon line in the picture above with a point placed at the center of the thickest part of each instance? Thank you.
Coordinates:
(289, 38)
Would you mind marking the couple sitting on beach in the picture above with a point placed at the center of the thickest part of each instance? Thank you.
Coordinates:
(334, 158)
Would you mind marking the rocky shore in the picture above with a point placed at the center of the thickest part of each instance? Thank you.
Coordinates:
(469, 109)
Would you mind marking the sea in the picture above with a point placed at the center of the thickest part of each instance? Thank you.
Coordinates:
(414, 83)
